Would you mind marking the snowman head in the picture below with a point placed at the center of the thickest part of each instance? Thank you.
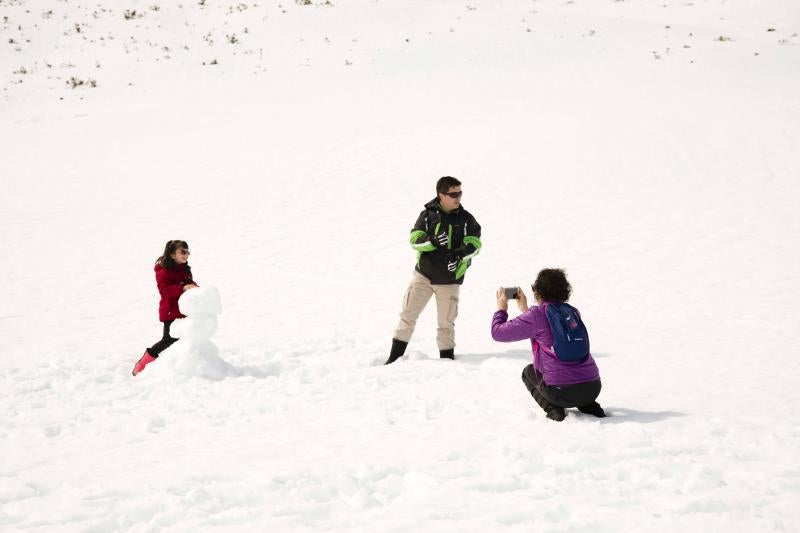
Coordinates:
(200, 301)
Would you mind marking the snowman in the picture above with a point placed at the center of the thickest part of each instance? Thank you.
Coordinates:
(195, 354)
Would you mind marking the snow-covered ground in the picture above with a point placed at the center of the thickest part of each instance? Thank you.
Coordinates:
(652, 148)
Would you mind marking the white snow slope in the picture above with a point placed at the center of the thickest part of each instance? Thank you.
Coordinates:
(651, 148)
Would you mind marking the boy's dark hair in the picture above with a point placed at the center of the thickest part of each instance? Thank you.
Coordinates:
(552, 286)
(171, 247)
(445, 182)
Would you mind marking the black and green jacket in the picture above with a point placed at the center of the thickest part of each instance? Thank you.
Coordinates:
(464, 243)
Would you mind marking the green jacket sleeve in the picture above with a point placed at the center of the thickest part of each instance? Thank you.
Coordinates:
(419, 239)
(472, 238)
(471, 245)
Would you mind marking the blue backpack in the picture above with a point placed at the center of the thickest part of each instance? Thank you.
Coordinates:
(570, 338)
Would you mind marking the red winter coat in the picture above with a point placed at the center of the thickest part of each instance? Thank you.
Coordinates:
(170, 283)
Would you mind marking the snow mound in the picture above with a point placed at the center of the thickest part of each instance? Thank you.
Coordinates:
(181, 363)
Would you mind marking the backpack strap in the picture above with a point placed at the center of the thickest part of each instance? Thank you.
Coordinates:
(545, 305)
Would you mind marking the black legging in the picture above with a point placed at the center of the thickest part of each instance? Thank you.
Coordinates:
(165, 342)
(577, 395)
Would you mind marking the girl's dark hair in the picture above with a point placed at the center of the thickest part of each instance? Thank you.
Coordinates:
(552, 286)
(166, 259)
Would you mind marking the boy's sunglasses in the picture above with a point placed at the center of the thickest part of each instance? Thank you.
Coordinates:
(453, 194)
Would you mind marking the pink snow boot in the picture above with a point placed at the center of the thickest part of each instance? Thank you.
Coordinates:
(145, 360)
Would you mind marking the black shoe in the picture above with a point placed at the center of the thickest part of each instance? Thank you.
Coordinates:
(447, 354)
(593, 409)
(556, 413)
(398, 349)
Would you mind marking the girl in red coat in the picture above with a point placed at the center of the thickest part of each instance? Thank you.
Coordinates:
(173, 277)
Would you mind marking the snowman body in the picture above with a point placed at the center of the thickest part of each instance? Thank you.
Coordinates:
(195, 354)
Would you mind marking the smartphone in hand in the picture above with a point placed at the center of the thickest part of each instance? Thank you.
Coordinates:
(512, 293)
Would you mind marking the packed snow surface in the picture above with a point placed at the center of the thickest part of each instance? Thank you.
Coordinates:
(651, 148)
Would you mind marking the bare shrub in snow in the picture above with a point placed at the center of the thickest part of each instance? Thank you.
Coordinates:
(74, 83)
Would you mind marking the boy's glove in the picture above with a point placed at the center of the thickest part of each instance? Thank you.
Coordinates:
(440, 240)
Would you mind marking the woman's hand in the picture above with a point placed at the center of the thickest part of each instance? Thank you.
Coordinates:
(189, 286)
(502, 303)
(522, 301)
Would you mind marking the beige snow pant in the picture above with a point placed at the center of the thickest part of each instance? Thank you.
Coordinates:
(416, 298)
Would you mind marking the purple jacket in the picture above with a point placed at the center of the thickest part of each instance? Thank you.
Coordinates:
(533, 325)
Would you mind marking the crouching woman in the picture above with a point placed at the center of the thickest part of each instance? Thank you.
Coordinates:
(555, 384)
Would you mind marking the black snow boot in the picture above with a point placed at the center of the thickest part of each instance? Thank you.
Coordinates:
(398, 349)
(447, 354)
(592, 409)
(556, 413)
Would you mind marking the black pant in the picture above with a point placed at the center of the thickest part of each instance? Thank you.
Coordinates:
(546, 396)
(165, 342)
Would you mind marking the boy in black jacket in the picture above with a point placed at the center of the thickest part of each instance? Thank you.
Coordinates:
(446, 237)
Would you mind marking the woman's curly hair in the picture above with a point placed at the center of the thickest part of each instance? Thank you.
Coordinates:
(552, 286)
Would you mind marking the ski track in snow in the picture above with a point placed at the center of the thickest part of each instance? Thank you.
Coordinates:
(651, 148)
